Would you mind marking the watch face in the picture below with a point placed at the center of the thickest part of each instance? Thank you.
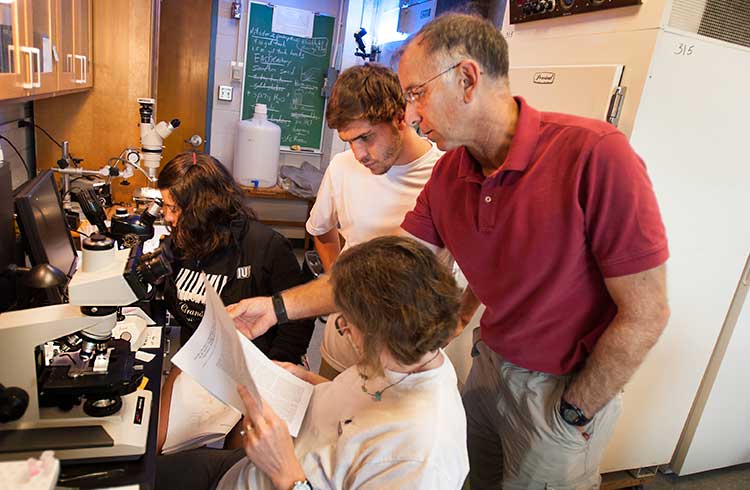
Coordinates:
(301, 485)
(570, 416)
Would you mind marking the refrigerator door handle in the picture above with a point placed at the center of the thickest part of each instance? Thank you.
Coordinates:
(746, 274)
(615, 105)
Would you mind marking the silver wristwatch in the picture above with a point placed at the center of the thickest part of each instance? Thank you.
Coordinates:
(301, 485)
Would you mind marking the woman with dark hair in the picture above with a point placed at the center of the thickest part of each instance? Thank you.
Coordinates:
(213, 232)
(393, 421)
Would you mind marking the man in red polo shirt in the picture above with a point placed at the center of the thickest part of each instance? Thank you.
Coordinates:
(554, 222)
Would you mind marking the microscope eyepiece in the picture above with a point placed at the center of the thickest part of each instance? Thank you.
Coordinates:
(97, 241)
(147, 109)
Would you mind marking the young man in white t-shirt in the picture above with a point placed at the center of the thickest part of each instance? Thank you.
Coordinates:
(368, 189)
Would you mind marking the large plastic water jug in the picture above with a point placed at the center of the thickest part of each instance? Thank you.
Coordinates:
(256, 151)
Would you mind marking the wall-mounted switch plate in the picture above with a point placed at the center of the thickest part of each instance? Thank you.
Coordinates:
(237, 69)
(225, 92)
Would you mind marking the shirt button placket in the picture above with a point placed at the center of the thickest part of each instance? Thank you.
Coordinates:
(486, 211)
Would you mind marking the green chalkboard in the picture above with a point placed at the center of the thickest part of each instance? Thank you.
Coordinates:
(286, 73)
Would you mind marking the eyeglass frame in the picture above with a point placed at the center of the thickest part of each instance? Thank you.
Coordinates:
(340, 328)
(411, 94)
(172, 208)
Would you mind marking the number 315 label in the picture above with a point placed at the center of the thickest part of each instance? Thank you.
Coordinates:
(683, 49)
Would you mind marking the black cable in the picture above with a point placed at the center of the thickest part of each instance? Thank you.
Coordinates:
(117, 159)
(28, 169)
(42, 130)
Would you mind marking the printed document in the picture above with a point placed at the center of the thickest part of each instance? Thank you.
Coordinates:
(219, 358)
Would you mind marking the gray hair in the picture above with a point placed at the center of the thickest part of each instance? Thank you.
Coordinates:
(464, 35)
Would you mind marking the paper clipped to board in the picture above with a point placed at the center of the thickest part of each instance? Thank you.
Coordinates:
(219, 358)
(292, 21)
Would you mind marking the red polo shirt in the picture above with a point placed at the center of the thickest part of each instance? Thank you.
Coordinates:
(571, 205)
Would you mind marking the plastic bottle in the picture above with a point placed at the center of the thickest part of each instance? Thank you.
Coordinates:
(256, 151)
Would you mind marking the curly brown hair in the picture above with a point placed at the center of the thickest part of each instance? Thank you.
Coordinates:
(209, 201)
(368, 92)
(398, 295)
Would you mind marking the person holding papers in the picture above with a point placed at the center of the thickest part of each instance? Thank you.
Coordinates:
(394, 420)
(213, 232)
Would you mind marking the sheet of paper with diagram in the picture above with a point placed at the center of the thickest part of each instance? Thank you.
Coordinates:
(219, 358)
(196, 417)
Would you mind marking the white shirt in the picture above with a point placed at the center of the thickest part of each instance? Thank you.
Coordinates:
(414, 438)
(366, 205)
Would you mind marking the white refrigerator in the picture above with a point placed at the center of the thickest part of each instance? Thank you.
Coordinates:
(684, 100)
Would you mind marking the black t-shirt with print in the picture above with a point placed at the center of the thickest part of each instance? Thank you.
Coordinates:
(259, 263)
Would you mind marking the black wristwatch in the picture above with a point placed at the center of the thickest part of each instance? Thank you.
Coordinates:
(301, 485)
(572, 415)
(279, 308)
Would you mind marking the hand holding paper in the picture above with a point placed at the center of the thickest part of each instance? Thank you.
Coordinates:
(218, 357)
(267, 443)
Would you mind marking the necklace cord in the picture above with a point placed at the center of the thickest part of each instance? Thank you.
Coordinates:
(378, 395)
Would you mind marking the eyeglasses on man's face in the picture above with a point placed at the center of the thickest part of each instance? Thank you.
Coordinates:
(414, 93)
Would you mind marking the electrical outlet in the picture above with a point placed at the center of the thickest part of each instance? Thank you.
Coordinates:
(225, 92)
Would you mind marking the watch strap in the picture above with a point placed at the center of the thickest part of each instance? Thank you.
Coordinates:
(279, 309)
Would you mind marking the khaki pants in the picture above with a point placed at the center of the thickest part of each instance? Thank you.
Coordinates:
(516, 437)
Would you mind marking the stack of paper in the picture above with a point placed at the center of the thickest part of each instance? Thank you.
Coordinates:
(219, 358)
(196, 418)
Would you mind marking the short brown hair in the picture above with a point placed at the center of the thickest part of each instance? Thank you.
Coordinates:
(397, 293)
(209, 200)
(465, 35)
(368, 92)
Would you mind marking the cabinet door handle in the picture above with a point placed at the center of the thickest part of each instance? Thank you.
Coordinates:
(38, 83)
(82, 59)
(746, 274)
(31, 52)
(85, 69)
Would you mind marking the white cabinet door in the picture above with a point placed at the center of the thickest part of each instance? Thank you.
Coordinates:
(582, 90)
(717, 433)
(691, 130)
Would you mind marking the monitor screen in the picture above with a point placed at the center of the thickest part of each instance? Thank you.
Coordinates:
(43, 226)
(7, 238)
(7, 235)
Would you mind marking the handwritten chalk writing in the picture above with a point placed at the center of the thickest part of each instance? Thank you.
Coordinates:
(286, 73)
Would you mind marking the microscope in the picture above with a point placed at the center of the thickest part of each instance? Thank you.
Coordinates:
(129, 231)
(68, 385)
(152, 141)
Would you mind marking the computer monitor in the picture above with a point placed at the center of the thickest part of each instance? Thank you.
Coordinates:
(7, 238)
(7, 234)
(42, 222)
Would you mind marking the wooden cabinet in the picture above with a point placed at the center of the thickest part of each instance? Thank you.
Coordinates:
(12, 38)
(40, 41)
(74, 24)
(82, 43)
(46, 47)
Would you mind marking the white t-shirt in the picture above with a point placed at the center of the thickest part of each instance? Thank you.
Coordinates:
(413, 438)
(364, 206)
